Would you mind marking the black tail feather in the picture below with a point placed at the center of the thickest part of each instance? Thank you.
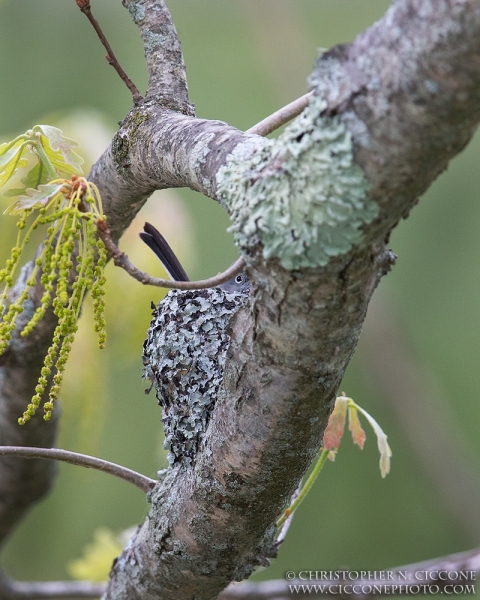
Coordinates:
(155, 240)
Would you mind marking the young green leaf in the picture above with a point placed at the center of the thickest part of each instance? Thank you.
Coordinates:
(35, 177)
(16, 142)
(59, 150)
(35, 198)
(13, 193)
(10, 161)
(97, 557)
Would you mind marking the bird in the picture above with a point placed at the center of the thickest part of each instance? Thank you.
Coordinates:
(156, 242)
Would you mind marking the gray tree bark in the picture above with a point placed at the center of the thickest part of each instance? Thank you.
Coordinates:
(312, 212)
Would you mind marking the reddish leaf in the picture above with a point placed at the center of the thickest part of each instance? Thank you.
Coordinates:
(358, 434)
(336, 424)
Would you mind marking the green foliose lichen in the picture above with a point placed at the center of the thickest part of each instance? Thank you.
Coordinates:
(302, 196)
(137, 12)
(153, 41)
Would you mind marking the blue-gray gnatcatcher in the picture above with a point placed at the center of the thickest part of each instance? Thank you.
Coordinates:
(239, 284)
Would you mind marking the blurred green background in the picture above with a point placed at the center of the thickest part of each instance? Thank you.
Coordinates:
(245, 59)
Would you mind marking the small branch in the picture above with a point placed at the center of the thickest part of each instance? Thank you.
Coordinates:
(467, 562)
(432, 574)
(82, 460)
(84, 6)
(281, 116)
(36, 590)
(120, 259)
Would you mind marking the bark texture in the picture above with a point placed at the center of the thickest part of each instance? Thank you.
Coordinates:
(399, 102)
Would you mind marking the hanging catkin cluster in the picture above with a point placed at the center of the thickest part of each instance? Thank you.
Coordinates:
(184, 356)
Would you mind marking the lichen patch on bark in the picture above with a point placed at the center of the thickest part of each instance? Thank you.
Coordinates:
(302, 197)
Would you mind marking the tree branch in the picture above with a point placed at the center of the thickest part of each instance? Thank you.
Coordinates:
(467, 563)
(167, 81)
(409, 577)
(48, 590)
(281, 116)
(85, 7)
(22, 481)
(82, 460)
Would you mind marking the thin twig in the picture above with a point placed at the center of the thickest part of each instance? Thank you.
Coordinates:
(465, 562)
(84, 6)
(120, 259)
(37, 590)
(82, 460)
(281, 116)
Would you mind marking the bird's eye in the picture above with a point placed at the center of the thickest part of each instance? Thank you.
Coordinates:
(239, 279)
